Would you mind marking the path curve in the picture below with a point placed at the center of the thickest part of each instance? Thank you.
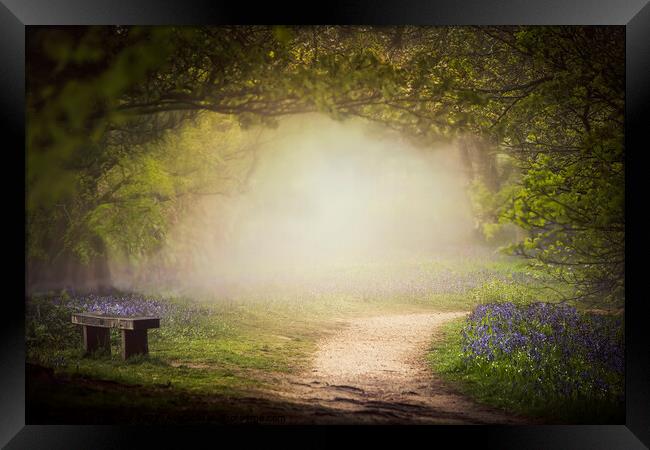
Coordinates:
(374, 370)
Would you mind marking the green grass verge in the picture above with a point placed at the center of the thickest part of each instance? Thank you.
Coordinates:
(487, 387)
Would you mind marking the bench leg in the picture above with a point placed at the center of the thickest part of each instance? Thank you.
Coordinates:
(96, 338)
(134, 342)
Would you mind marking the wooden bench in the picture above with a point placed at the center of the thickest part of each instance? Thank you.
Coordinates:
(97, 326)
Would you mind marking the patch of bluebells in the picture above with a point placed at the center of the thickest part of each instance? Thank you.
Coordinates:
(552, 348)
(131, 305)
(119, 305)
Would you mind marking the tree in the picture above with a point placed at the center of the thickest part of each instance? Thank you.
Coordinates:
(538, 112)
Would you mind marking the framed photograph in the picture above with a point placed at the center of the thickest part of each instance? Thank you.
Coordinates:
(412, 217)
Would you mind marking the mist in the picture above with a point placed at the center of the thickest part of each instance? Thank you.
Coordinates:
(323, 194)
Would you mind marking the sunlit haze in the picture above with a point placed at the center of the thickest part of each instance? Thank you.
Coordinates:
(327, 193)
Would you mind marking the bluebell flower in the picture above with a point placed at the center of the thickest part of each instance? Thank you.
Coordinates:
(557, 340)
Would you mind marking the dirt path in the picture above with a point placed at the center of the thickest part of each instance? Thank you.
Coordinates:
(371, 371)
(374, 370)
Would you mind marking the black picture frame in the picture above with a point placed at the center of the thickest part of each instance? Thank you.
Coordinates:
(634, 15)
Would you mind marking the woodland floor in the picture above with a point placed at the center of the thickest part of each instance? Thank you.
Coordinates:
(372, 370)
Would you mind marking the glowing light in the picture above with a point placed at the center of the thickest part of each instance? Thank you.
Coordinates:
(327, 193)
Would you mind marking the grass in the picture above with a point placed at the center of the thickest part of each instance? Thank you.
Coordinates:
(215, 353)
(234, 344)
(233, 347)
(232, 351)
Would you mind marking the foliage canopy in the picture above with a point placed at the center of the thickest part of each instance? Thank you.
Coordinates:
(116, 117)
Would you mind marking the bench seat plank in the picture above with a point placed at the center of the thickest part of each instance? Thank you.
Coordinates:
(122, 323)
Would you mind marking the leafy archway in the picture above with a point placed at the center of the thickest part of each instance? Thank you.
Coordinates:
(537, 112)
